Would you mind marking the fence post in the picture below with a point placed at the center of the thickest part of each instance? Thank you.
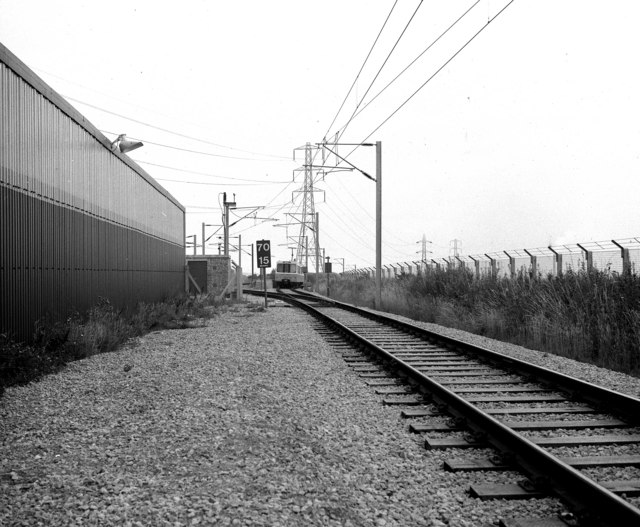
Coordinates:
(534, 264)
(476, 263)
(558, 261)
(588, 256)
(626, 257)
(494, 269)
(512, 264)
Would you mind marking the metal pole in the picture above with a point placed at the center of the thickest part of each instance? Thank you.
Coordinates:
(226, 226)
(324, 271)
(195, 244)
(264, 281)
(252, 271)
(203, 238)
(317, 285)
(378, 296)
(239, 250)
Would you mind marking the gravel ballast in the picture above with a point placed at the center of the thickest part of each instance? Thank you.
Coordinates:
(251, 420)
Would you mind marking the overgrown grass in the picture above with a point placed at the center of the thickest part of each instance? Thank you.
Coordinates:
(590, 316)
(103, 328)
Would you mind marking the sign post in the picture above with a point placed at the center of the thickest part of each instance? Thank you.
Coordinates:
(264, 261)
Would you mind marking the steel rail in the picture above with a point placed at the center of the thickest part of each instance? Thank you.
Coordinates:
(625, 406)
(589, 501)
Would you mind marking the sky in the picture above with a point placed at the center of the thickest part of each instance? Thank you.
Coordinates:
(524, 136)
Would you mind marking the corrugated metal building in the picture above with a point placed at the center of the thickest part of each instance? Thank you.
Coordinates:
(77, 221)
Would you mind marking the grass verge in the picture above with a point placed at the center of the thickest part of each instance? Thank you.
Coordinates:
(103, 328)
(591, 316)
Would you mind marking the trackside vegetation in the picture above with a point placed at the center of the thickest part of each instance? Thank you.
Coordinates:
(102, 329)
(591, 316)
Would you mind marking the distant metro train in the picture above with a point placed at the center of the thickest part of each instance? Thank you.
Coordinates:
(288, 275)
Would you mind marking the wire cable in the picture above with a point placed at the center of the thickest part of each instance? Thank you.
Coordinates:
(167, 130)
(176, 169)
(432, 76)
(380, 69)
(361, 68)
(209, 183)
(433, 43)
(146, 141)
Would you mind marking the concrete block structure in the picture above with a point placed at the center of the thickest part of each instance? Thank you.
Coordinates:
(211, 273)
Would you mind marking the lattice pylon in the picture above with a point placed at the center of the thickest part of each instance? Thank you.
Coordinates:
(308, 240)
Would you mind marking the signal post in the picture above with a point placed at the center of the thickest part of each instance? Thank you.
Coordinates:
(264, 260)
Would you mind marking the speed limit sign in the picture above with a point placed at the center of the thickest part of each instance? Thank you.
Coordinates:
(264, 253)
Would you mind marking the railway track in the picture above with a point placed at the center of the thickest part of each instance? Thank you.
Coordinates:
(568, 438)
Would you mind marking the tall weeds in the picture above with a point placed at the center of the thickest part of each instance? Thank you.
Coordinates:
(590, 316)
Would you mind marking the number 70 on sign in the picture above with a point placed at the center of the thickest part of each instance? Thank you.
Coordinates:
(264, 253)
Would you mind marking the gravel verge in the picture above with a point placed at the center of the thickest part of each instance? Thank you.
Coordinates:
(251, 420)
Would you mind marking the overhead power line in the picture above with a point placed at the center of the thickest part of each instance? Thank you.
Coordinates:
(361, 68)
(199, 152)
(176, 169)
(433, 43)
(212, 184)
(178, 134)
(432, 76)
(380, 69)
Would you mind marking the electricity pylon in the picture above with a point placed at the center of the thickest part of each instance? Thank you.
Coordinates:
(423, 259)
(308, 243)
(455, 246)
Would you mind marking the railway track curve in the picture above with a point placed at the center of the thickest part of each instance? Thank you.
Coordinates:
(566, 436)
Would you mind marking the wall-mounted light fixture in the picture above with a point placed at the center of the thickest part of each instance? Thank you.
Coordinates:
(124, 145)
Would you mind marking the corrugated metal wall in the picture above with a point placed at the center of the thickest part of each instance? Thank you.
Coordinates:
(77, 221)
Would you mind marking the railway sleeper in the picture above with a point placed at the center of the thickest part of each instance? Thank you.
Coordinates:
(542, 425)
(374, 375)
(471, 441)
(390, 381)
(505, 389)
(565, 519)
(499, 463)
(403, 402)
(491, 491)
(524, 489)
(399, 390)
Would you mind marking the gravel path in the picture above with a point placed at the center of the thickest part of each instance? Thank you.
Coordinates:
(252, 420)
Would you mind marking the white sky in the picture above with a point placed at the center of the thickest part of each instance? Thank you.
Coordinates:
(529, 137)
